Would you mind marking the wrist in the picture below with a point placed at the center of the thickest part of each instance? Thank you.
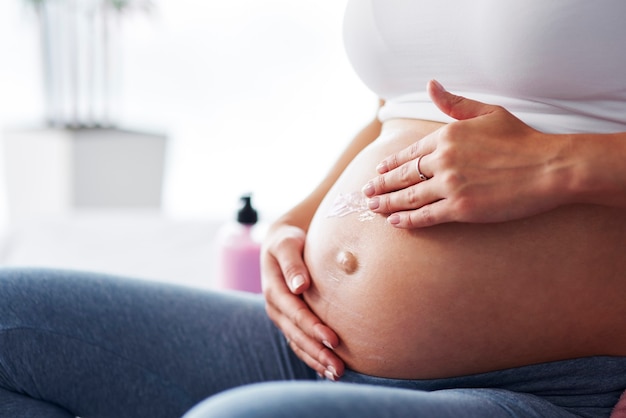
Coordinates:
(556, 180)
(566, 180)
(588, 169)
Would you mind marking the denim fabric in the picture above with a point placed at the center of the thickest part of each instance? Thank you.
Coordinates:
(92, 345)
(586, 387)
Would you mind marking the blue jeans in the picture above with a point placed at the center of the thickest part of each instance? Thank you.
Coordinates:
(90, 345)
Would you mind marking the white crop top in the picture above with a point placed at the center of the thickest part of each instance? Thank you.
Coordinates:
(559, 65)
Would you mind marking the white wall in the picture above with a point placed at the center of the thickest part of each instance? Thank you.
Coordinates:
(256, 95)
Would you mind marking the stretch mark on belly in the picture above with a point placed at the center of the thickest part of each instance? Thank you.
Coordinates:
(347, 203)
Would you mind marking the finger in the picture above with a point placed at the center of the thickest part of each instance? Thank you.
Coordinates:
(428, 215)
(303, 318)
(458, 107)
(322, 359)
(328, 370)
(424, 145)
(288, 255)
(397, 179)
(411, 197)
(316, 354)
(282, 305)
(296, 339)
(272, 276)
(404, 176)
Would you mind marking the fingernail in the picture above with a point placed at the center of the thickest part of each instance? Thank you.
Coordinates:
(373, 203)
(297, 282)
(331, 373)
(327, 344)
(393, 219)
(382, 167)
(438, 85)
(368, 189)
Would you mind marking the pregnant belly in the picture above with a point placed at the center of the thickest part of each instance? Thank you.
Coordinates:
(459, 298)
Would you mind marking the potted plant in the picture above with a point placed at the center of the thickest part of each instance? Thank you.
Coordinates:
(81, 158)
(80, 51)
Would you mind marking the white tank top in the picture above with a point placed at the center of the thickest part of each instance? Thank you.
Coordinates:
(559, 65)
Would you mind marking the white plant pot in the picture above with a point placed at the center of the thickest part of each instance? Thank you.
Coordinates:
(51, 172)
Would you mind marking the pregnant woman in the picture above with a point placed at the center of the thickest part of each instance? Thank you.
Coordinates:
(462, 258)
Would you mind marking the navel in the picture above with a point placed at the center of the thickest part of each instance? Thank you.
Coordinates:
(347, 261)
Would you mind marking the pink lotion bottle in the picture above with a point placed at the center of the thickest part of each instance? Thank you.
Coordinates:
(240, 251)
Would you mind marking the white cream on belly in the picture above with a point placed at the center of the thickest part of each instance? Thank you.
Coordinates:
(348, 203)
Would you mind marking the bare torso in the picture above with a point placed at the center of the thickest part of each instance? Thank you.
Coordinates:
(457, 298)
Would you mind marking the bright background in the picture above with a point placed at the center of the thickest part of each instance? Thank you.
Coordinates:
(254, 95)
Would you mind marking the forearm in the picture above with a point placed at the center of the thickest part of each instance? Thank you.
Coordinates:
(591, 168)
(302, 213)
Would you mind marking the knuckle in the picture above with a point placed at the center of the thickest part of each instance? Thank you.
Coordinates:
(410, 221)
(458, 100)
(414, 150)
(448, 156)
(275, 301)
(268, 294)
(406, 172)
(463, 206)
(384, 204)
(451, 133)
(380, 183)
(295, 348)
(266, 288)
(427, 216)
(453, 181)
(287, 242)
(290, 270)
(271, 313)
(412, 197)
(393, 162)
(296, 342)
(279, 246)
(299, 316)
(323, 355)
(446, 132)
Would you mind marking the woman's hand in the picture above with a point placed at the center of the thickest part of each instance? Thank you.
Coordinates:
(285, 277)
(488, 166)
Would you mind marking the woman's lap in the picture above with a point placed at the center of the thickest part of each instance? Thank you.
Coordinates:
(102, 346)
(339, 400)
(586, 387)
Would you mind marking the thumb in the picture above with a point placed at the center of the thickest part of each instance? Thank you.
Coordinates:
(458, 107)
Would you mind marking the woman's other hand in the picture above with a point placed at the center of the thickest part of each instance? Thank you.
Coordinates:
(488, 166)
(285, 278)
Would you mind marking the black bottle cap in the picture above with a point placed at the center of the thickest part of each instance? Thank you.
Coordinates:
(247, 214)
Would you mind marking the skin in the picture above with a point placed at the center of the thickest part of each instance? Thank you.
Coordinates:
(487, 167)
(491, 167)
